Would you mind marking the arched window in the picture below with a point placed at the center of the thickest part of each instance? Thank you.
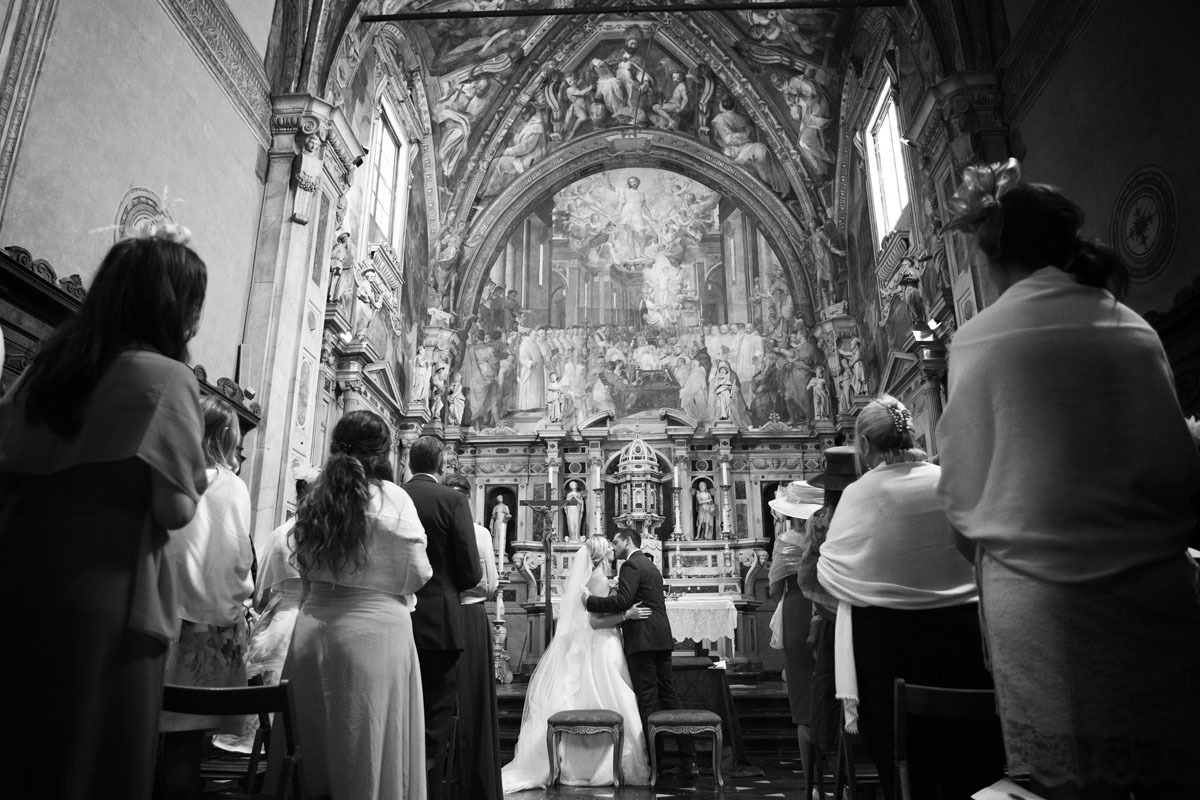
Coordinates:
(387, 183)
(886, 167)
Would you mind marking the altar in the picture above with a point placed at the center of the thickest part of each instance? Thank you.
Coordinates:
(704, 620)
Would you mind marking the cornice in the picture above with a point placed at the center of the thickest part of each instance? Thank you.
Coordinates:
(1038, 48)
(28, 49)
(224, 49)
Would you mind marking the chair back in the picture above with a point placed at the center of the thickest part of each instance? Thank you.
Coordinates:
(933, 702)
(264, 701)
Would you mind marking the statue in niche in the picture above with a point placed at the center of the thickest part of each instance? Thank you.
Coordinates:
(824, 247)
(554, 398)
(368, 295)
(905, 284)
(853, 372)
(422, 373)
(706, 512)
(456, 400)
(573, 507)
(500, 517)
(337, 266)
(437, 392)
(820, 394)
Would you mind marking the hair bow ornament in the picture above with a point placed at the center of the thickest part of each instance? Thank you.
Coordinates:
(977, 199)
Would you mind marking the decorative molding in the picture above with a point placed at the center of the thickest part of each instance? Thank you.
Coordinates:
(138, 205)
(225, 50)
(1038, 48)
(34, 20)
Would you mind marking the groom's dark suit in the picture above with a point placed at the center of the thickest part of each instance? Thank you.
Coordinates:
(437, 619)
(648, 642)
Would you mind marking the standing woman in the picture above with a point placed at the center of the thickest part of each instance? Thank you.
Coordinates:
(907, 608)
(361, 551)
(212, 557)
(1067, 464)
(477, 757)
(99, 457)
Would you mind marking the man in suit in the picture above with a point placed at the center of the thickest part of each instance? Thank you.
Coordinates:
(648, 642)
(437, 619)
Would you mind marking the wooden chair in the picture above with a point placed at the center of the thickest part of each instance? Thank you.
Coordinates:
(933, 702)
(244, 701)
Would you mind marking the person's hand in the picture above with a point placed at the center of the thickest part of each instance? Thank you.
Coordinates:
(636, 611)
(585, 593)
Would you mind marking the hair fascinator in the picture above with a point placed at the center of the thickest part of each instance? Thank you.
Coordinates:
(976, 203)
(305, 472)
(160, 228)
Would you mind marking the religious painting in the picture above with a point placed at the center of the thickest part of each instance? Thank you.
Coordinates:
(795, 53)
(614, 308)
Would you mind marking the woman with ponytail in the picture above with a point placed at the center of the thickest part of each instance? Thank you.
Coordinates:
(1068, 468)
(907, 608)
(360, 549)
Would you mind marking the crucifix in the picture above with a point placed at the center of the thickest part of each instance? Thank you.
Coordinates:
(545, 509)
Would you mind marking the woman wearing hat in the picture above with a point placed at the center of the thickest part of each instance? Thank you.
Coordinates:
(840, 471)
(907, 608)
(794, 502)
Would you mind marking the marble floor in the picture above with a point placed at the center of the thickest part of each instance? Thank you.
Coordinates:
(780, 778)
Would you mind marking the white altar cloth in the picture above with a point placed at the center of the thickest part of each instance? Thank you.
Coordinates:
(700, 618)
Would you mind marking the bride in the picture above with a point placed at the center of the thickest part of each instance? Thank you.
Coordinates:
(584, 667)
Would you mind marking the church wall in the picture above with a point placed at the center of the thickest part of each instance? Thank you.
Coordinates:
(123, 101)
(1123, 98)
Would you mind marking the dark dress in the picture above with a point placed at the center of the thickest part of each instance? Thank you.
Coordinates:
(97, 593)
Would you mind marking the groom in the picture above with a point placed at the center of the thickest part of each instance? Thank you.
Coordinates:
(648, 642)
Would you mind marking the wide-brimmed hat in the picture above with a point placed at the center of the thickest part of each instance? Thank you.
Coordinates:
(798, 499)
(840, 469)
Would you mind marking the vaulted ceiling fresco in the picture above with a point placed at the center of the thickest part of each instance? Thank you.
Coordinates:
(648, 191)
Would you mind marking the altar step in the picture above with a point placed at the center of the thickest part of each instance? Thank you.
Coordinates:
(762, 710)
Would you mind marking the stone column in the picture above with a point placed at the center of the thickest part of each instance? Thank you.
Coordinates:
(725, 479)
(595, 464)
(932, 358)
(312, 155)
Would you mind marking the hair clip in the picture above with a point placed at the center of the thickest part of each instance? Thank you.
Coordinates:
(978, 197)
(900, 418)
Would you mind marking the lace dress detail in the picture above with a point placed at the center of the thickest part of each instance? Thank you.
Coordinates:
(1097, 682)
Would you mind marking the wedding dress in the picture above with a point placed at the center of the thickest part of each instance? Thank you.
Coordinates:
(582, 668)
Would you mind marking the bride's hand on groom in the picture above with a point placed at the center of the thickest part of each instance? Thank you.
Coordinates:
(637, 612)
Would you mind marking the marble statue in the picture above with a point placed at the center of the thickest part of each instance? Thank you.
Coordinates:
(500, 517)
(706, 512)
(573, 507)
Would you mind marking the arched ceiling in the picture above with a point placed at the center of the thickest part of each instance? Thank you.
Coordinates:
(781, 70)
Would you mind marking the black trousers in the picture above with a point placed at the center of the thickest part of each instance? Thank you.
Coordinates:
(439, 689)
(948, 759)
(650, 671)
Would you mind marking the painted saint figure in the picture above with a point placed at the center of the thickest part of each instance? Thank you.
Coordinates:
(573, 506)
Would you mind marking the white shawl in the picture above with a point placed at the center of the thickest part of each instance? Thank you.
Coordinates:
(889, 545)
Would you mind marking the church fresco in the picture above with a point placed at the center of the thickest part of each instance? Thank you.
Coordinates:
(637, 290)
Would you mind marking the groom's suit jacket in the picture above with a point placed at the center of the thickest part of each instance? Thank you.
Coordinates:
(446, 516)
(639, 582)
